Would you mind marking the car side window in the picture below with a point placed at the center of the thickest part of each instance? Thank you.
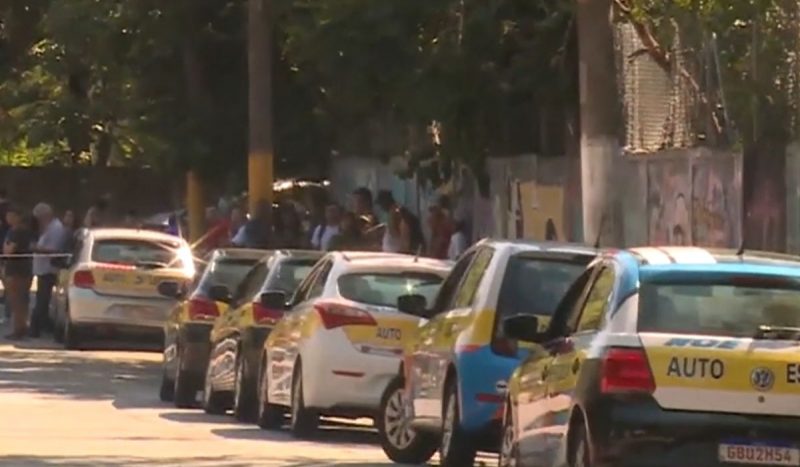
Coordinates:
(318, 287)
(245, 289)
(465, 295)
(591, 317)
(570, 305)
(302, 290)
(448, 289)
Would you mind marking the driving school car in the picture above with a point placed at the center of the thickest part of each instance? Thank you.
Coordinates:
(111, 283)
(187, 329)
(340, 344)
(661, 357)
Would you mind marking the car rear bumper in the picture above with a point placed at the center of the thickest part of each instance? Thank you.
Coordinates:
(340, 378)
(642, 434)
(89, 308)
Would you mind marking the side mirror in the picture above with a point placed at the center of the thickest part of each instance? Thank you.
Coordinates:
(413, 304)
(219, 293)
(523, 328)
(170, 289)
(275, 300)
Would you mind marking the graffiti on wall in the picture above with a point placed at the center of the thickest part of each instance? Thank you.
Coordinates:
(668, 202)
(715, 205)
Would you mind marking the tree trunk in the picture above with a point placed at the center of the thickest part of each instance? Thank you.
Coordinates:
(600, 119)
(260, 158)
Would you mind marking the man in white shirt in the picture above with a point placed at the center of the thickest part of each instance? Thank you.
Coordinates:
(324, 233)
(51, 237)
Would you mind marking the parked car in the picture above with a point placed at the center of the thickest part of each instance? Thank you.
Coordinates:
(238, 335)
(187, 330)
(663, 357)
(340, 345)
(455, 372)
(110, 284)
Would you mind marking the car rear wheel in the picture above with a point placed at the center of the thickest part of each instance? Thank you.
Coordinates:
(509, 450)
(270, 416)
(456, 448)
(167, 391)
(399, 441)
(244, 397)
(185, 390)
(213, 402)
(72, 337)
(304, 422)
(580, 452)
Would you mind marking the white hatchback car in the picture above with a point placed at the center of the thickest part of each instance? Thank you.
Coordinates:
(341, 342)
(111, 283)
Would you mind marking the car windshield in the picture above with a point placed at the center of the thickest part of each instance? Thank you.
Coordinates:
(227, 271)
(716, 309)
(289, 274)
(384, 289)
(536, 286)
(141, 253)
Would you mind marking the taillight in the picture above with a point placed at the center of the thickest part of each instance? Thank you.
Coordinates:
(264, 315)
(114, 267)
(202, 309)
(626, 370)
(83, 279)
(335, 316)
(505, 347)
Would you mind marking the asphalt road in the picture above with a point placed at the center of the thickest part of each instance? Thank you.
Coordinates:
(101, 408)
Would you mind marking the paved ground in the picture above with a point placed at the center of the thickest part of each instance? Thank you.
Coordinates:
(100, 408)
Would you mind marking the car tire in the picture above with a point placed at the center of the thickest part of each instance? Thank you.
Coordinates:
(58, 330)
(185, 390)
(213, 402)
(401, 444)
(304, 422)
(167, 391)
(72, 337)
(456, 449)
(509, 449)
(244, 395)
(270, 416)
(580, 449)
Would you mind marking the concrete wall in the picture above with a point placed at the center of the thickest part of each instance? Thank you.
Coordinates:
(77, 188)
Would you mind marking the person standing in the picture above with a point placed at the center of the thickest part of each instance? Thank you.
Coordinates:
(257, 232)
(459, 241)
(324, 233)
(442, 230)
(4, 228)
(412, 240)
(350, 236)
(51, 237)
(18, 272)
(364, 209)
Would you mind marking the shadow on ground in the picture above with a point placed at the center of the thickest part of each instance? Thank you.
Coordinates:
(328, 434)
(221, 461)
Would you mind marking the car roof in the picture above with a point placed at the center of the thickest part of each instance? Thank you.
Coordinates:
(300, 254)
(239, 253)
(132, 234)
(364, 261)
(697, 259)
(523, 245)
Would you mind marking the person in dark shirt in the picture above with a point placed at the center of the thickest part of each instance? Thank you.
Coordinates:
(18, 271)
(350, 236)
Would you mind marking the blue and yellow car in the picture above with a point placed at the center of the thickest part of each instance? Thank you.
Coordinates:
(450, 392)
(239, 333)
(188, 326)
(663, 357)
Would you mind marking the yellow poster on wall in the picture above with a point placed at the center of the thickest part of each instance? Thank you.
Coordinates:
(543, 211)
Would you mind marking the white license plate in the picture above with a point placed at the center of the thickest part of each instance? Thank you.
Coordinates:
(134, 312)
(759, 454)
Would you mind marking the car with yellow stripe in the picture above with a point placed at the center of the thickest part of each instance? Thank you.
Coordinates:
(450, 393)
(110, 284)
(187, 330)
(340, 345)
(256, 305)
(656, 357)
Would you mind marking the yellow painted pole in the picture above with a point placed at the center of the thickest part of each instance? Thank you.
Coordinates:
(195, 205)
(260, 158)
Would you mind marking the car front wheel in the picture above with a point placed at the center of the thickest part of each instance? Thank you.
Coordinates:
(509, 449)
(399, 441)
(304, 421)
(270, 416)
(456, 449)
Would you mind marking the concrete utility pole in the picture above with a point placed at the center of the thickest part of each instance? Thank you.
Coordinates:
(600, 122)
(260, 159)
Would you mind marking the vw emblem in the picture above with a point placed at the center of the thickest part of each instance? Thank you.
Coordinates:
(762, 379)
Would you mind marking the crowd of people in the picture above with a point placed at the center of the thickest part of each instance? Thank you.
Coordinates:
(337, 228)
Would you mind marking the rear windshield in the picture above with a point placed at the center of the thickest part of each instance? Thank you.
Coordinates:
(385, 289)
(536, 286)
(289, 275)
(227, 272)
(725, 310)
(139, 253)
